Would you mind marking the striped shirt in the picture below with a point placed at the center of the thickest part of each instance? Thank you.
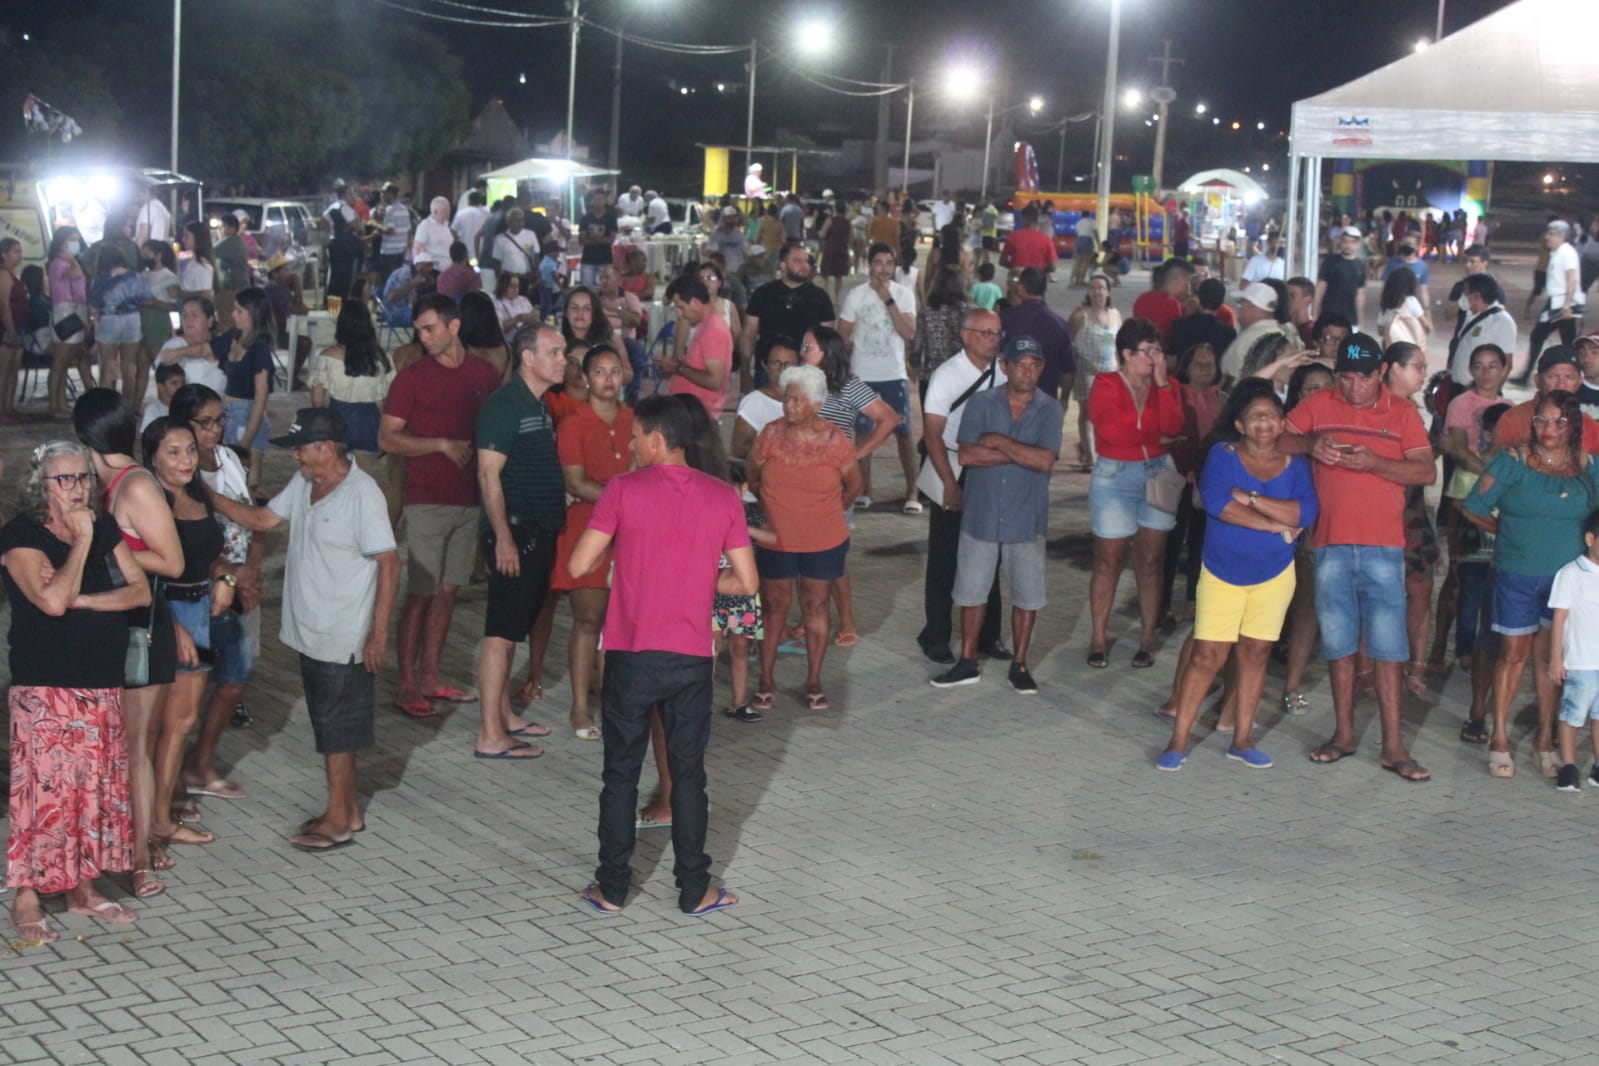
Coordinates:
(517, 424)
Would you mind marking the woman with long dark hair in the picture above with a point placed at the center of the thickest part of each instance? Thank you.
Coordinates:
(352, 377)
(199, 275)
(249, 368)
(480, 331)
(69, 299)
(155, 318)
(1403, 318)
(204, 588)
(107, 426)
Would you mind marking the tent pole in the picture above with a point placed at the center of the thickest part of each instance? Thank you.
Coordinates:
(1312, 205)
(1293, 211)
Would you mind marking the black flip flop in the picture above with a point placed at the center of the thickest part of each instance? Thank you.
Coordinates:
(1143, 660)
(1097, 660)
(331, 845)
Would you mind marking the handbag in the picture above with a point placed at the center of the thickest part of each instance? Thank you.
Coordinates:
(136, 667)
(70, 326)
(1163, 490)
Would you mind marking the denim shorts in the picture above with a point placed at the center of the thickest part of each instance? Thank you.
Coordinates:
(119, 329)
(233, 649)
(1116, 503)
(360, 423)
(238, 412)
(896, 394)
(825, 565)
(1579, 698)
(195, 616)
(1521, 603)
(1360, 591)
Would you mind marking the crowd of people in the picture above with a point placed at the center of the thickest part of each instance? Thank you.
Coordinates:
(1274, 452)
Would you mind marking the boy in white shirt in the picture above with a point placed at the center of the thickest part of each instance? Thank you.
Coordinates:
(1574, 659)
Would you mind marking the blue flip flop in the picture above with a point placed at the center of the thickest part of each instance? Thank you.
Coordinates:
(594, 904)
(721, 903)
(795, 646)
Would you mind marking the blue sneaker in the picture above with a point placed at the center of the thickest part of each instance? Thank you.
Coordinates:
(1251, 757)
(1170, 761)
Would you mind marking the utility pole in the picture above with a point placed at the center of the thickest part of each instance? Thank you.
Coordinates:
(571, 73)
(616, 105)
(1163, 95)
(749, 125)
(880, 150)
(1107, 114)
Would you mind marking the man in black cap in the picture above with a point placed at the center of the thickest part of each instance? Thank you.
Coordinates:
(1009, 441)
(1559, 368)
(340, 579)
(1367, 446)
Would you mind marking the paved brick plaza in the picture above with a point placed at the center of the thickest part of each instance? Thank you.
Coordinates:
(928, 876)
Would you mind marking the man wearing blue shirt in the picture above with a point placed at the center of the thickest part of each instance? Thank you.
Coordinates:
(1009, 442)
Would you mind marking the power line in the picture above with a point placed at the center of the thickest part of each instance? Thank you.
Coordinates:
(523, 24)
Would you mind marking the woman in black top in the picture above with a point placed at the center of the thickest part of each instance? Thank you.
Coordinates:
(204, 588)
(71, 581)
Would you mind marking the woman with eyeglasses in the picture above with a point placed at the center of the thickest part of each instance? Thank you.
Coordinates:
(234, 632)
(1134, 490)
(108, 427)
(71, 582)
(1535, 499)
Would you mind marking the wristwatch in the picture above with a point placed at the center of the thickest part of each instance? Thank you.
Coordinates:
(888, 302)
(229, 580)
(1253, 496)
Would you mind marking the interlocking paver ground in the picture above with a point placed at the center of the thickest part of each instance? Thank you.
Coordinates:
(927, 876)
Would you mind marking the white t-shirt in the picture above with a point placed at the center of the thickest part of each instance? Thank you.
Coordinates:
(396, 229)
(155, 215)
(514, 251)
(467, 225)
(628, 204)
(163, 284)
(330, 580)
(1498, 328)
(153, 409)
(1260, 267)
(198, 371)
(879, 350)
(952, 378)
(657, 212)
(943, 213)
(195, 276)
(759, 410)
(433, 239)
(1561, 260)
(1576, 588)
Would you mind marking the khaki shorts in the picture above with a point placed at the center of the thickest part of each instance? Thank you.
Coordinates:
(440, 540)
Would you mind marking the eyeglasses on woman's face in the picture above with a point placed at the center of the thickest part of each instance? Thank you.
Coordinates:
(1548, 420)
(67, 481)
(210, 424)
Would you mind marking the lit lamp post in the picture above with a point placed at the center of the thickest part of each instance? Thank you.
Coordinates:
(965, 80)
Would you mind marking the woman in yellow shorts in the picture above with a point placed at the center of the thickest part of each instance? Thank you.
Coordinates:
(1258, 499)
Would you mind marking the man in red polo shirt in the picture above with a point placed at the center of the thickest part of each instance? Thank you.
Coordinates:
(1163, 303)
(1028, 246)
(1559, 367)
(1367, 445)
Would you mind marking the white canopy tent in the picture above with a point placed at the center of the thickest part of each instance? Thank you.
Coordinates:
(1247, 186)
(541, 169)
(1518, 84)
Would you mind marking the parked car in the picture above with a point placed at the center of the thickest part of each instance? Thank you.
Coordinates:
(280, 227)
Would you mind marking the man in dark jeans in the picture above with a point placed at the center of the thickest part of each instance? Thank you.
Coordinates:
(957, 380)
(657, 644)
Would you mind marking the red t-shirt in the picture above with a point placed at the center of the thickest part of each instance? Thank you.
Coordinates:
(711, 340)
(1124, 432)
(436, 401)
(1030, 248)
(1515, 429)
(670, 526)
(1358, 507)
(1160, 309)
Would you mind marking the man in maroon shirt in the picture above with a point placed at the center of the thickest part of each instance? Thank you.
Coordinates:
(1163, 303)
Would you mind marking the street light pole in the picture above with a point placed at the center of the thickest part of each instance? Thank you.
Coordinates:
(571, 74)
(1108, 118)
(910, 109)
(749, 125)
(616, 103)
(988, 139)
(177, 41)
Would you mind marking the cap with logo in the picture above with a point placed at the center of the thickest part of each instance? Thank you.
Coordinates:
(312, 424)
(1556, 355)
(1020, 346)
(1361, 354)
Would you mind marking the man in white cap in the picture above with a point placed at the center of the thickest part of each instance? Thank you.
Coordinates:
(1257, 317)
(631, 203)
(1340, 285)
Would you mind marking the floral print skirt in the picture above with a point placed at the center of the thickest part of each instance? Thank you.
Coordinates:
(738, 616)
(70, 819)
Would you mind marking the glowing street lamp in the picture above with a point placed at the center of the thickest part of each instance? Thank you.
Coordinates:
(1035, 104)
(1200, 109)
(1132, 98)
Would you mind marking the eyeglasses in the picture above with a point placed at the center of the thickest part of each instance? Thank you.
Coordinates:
(211, 423)
(1151, 350)
(66, 481)
(1545, 420)
(775, 365)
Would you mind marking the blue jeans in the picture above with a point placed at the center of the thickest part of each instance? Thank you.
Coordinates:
(1476, 583)
(680, 685)
(1360, 591)
(1117, 505)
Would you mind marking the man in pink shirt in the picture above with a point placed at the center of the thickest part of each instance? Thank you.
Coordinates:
(702, 372)
(658, 642)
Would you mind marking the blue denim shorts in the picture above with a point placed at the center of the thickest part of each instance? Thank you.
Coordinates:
(1579, 698)
(897, 395)
(1116, 504)
(1521, 603)
(825, 565)
(1360, 591)
(195, 616)
(234, 650)
(238, 412)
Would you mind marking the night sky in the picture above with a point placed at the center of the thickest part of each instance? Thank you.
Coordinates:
(1247, 60)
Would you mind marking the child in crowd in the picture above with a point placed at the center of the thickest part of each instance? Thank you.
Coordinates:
(985, 293)
(1574, 658)
(169, 378)
(552, 282)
